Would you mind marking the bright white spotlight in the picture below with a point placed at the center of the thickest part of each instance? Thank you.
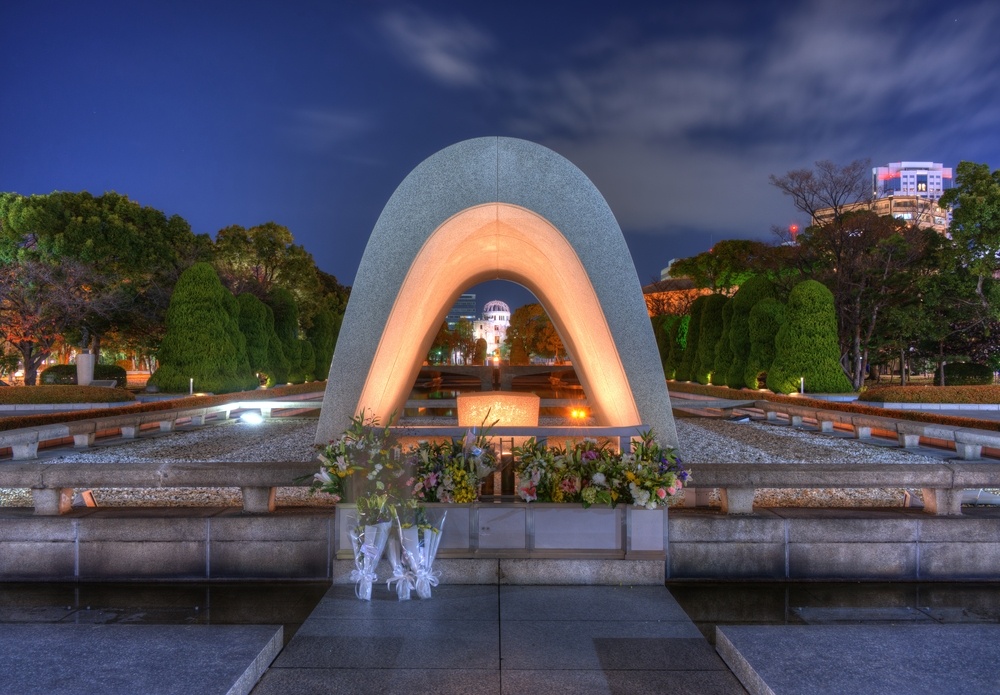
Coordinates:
(251, 417)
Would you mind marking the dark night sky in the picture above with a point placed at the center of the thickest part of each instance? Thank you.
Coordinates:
(311, 113)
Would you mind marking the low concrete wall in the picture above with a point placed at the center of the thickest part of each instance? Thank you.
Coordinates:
(837, 544)
(213, 544)
(188, 544)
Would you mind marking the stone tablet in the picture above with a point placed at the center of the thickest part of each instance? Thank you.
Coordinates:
(486, 209)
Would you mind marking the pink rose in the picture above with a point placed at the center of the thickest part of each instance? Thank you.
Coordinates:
(661, 493)
(672, 490)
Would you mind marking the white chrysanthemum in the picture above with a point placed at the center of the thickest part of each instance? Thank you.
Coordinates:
(598, 479)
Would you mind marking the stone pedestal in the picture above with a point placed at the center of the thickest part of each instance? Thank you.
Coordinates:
(85, 368)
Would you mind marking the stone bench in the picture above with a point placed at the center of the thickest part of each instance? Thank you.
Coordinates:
(795, 413)
(968, 442)
(942, 483)
(52, 483)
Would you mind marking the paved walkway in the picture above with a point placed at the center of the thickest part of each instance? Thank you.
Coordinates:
(506, 639)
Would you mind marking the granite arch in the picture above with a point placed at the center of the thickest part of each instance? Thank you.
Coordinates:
(497, 208)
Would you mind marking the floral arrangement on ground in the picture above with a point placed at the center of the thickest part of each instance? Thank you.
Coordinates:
(589, 473)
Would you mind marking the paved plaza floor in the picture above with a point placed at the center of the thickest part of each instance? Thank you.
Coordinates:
(787, 639)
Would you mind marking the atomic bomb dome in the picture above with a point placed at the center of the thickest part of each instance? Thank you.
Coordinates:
(492, 327)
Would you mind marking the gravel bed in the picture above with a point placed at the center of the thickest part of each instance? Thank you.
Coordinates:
(701, 440)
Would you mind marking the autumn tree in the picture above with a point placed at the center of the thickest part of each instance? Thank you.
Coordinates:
(532, 333)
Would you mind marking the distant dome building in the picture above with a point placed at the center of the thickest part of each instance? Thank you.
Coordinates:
(492, 327)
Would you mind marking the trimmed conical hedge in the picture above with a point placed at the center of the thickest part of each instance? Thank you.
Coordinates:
(689, 360)
(203, 339)
(806, 344)
(723, 349)
(764, 320)
(752, 291)
(708, 337)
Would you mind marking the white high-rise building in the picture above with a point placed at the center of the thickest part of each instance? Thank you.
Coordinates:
(922, 179)
(492, 327)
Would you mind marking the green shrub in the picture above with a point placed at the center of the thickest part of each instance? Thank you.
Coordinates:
(750, 292)
(931, 394)
(323, 338)
(676, 339)
(763, 322)
(689, 361)
(30, 395)
(203, 339)
(964, 374)
(806, 344)
(708, 336)
(307, 364)
(286, 327)
(723, 348)
(65, 374)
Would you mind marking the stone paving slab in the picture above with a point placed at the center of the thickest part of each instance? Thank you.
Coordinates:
(500, 639)
(872, 659)
(129, 659)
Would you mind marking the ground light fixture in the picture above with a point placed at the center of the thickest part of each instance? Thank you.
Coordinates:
(251, 417)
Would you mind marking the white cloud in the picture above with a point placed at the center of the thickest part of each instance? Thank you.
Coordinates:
(319, 130)
(445, 50)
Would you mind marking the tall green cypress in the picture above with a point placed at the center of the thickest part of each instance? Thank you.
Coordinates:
(763, 322)
(322, 338)
(286, 326)
(203, 339)
(723, 349)
(676, 340)
(750, 292)
(708, 336)
(689, 361)
(806, 345)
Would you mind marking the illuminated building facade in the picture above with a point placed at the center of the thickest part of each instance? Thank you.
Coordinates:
(492, 327)
(908, 191)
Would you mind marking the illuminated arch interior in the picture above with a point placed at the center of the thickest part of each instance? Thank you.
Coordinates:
(507, 242)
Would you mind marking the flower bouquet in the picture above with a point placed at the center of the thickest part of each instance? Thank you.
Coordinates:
(591, 473)
(369, 535)
(365, 447)
(420, 537)
(450, 471)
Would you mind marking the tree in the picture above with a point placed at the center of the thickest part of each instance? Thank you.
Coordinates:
(723, 348)
(689, 363)
(975, 225)
(440, 352)
(677, 339)
(323, 337)
(203, 340)
(133, 255)
(532, 333)
(464, 340)
(709, 332)
(267, 358)
(286, 327)
(749, 293)
(764, 322)
(806, 344)
(725, 266)
(827, 186)
(871, 264)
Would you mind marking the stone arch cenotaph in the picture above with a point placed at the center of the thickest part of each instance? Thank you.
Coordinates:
(497, 208)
